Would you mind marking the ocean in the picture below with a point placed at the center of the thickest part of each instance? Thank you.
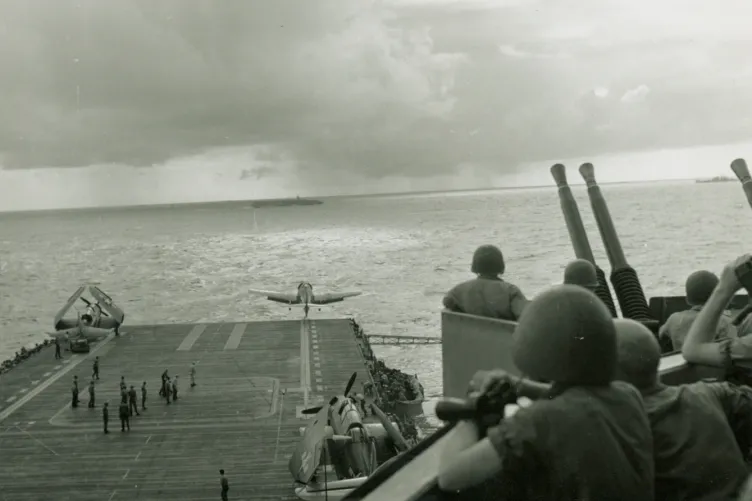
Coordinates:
(195, 263)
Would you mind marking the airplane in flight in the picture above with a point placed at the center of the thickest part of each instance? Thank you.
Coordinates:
(304, 295)
(101, 317)
(350, 444)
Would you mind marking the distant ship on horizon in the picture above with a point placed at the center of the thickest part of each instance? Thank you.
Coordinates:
(716, 179)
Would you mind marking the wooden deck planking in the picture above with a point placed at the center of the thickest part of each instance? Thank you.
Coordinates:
(240, 417)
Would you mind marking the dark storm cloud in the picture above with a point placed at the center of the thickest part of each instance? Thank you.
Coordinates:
(401, 86)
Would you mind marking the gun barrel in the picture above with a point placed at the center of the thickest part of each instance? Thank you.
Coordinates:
(739, 166)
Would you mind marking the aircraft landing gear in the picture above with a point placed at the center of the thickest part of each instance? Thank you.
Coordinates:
(306, 309)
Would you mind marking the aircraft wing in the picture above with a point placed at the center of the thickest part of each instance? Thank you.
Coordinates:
(307, 456)
(333, 297)
(105, 302)
(279, 297)
(67, 305)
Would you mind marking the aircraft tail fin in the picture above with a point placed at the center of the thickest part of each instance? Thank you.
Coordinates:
(67, 306)
(307, 456)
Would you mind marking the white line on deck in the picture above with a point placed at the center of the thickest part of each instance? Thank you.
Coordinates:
(46, 374)
(137, 456)
(235, 337)
(147, 439)
(31, 423)
(23, 390)
(305, 361)
(112, 495)
(279, 422)
(10, 399)
(35, 382)
(192, 337)
(58, 366)
(126, 473)
(47, 383)
(35, 439)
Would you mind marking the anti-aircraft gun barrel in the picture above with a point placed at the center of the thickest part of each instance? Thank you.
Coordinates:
(624, 278)
(578, 235)
(739, 166)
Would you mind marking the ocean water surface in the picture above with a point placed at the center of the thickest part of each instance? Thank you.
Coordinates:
(196, 263)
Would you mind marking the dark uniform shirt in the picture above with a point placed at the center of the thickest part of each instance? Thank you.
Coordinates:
(486, 297)
(678, 324)
(584, 444)
(696, 448)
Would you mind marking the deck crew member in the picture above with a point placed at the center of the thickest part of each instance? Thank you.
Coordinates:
(132, 407)
(92, 396)
(58, 355)
(701, 431)
(95, 369)
(487, 295)
(124, 417)
(143, 396)
(698, 288)
(175, 387)
(733, 354)
(163, 390)
(224, 484)
(74, 392)
(123, 386)
(193, 374)
(105, 416)
(581, 272)
(167, 388)
(589, 435)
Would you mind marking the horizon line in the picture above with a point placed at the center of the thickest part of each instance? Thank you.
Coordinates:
(167, 205)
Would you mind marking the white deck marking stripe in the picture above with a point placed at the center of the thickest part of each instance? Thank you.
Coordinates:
(191, 338)
(304, 361)
(46, 384)
(235, 337)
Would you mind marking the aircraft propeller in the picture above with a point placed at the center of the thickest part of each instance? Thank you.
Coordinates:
(88, 303)
(350, 383)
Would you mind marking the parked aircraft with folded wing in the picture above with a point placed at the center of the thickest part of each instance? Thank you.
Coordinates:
(101, 317)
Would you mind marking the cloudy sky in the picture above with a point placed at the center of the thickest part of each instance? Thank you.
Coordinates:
(144, 101)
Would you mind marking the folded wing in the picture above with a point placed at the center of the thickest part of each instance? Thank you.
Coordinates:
(333, 297)
(279, 297)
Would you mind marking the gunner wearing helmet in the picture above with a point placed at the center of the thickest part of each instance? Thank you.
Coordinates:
(733, 354)
(698, 288)
(581, 272)
(487, 295)
(588, 437)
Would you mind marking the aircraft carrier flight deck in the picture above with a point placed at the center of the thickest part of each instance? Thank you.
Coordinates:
(253, 379)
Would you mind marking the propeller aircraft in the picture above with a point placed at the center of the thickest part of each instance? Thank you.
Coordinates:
(304, 295)
(101, 317)
(339, 434)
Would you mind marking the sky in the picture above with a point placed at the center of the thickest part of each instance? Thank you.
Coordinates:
(137, 101)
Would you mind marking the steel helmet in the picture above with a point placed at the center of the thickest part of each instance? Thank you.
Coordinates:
(581, 272)
(699, 286)
(488, 260)
(566, 335)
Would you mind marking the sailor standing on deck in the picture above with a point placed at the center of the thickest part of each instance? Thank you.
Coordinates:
(74, 392)
(105, 416)
(224, 484)
(167, 389)
(132, 407)
(58, 355)
(143, 396)
(124, 417)
(175, 387)
(193, 374)
(92, 396)
(95, 369)
(123, 386)
(163, 390)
